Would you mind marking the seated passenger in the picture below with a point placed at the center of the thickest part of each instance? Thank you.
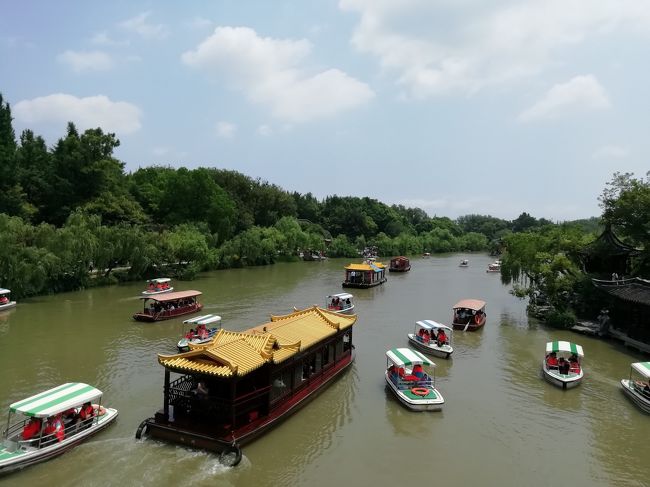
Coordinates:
(425, 336)
(418, 371)
(86, 414)
(574, 365)
(4, 299)
(202, 332)
(563, 366)
(400, 371)
(551, 361)
(442, 337)
(32, 429)
(54, 430)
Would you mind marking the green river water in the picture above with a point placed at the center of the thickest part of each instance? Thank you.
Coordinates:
(501, 425)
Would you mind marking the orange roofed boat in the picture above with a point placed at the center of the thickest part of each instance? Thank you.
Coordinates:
(469, 314)
(365, 275)
(169, 305)
(227, 392)
(399, 264)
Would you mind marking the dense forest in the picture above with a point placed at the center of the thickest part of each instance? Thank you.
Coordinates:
(71, 217)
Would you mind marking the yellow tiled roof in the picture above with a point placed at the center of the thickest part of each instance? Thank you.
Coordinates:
(364, 266)
(233, 353)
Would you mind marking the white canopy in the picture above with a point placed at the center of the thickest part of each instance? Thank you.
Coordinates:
(340, 296)
(432, 325)
(203, 320)
(4, 291)
(408, 357)
(642, 368)
(56, 400)
(160, 279)
(562, 346)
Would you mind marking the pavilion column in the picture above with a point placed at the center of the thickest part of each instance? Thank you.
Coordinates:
(166, 400)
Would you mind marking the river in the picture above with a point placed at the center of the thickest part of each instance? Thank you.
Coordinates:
(501, 425)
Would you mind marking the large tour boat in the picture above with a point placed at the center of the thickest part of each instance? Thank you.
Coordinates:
(399, 264)
(432, 338)
(636, 390)
(469, 314)
(226, 393)
(562, 365)
(5, 300)
(169, 305)
(407, 379)
(51, 423)
(365, 275)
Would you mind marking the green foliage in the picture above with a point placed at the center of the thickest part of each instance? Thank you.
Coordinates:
(560, 319)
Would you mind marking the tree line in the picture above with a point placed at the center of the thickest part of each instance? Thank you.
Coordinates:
(71, 216)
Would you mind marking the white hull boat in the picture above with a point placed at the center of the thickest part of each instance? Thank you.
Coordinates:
(405, 377)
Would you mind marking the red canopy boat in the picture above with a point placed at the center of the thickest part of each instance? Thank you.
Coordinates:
(169, 305)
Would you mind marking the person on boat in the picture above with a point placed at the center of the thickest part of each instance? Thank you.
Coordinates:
(202, 332)
(563, 366)
(201, 390)
(54, 430)
(4, 299)
(86, 414)
(551, 361)
(442, 337)
(426, 337)
(418, 371)
(574, 365)
(31, 429)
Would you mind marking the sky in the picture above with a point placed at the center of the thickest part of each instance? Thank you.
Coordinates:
(453, 106)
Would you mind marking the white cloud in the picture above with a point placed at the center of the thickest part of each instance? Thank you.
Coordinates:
(579, 93)
(463, 46)
(90, 112)
(272, 72)
(103, 39)
(264, 130)
(611, 152)
(139, 25)
(226, 130)
(81, 61)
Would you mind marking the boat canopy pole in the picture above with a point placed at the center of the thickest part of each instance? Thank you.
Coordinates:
(6, 432)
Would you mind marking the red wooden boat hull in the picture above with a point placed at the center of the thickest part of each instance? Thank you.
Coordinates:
(167, 315)
(159, 428)
(472, 326)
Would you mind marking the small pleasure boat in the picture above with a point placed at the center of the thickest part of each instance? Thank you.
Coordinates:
(399, 264)
(341, 303)
(469, 315)
(409, 382)
(636, 390)
(200, 334)
(158, 286)
(5, 301)
(562, 365)
(464, 263)
(50, 423)
(494, 266)
(427, 338)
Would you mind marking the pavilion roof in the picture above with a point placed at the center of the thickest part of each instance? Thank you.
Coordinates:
(635, 290)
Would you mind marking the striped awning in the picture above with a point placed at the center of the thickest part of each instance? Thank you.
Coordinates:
(431, 325)
(642, 368)
(408, 357)
(562, 346)
(56, 400)
(203, 320)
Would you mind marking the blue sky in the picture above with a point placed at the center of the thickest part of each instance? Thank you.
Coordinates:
(453, 106)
